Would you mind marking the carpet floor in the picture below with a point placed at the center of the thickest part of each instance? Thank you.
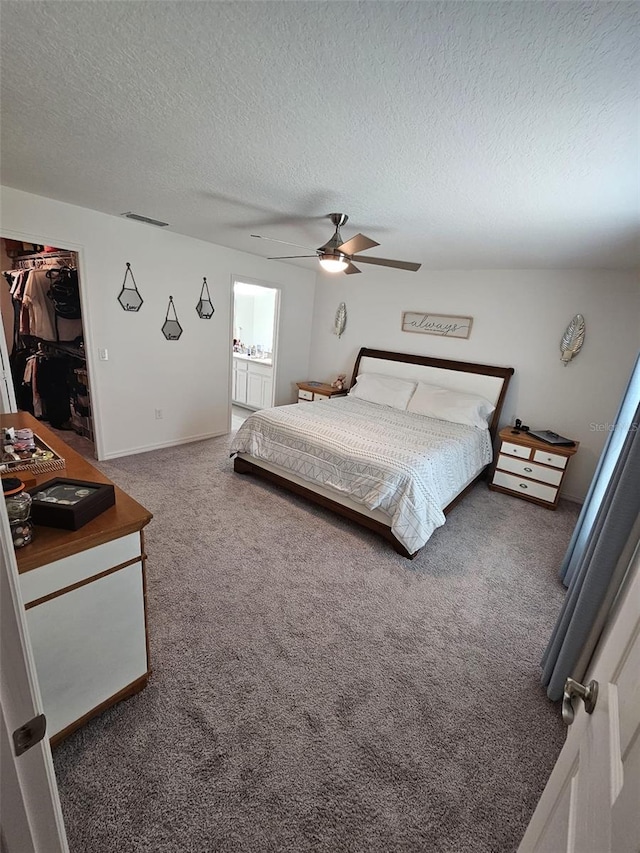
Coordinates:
(314, 691)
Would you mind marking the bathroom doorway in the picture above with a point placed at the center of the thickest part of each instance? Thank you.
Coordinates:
(254, 345)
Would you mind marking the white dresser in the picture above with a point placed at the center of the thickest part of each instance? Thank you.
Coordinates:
(530, 469)
(84, 593)
(313, 391)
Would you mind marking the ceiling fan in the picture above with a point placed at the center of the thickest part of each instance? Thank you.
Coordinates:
(337, 255)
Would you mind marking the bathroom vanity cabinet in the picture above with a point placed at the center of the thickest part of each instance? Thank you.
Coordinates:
(252, 381)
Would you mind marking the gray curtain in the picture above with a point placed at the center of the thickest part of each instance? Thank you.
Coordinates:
(599, 551)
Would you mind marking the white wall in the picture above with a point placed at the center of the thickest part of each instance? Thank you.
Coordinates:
(188, 379)
(243, 318)
(264, 307)
(519, 317)
(254, 315)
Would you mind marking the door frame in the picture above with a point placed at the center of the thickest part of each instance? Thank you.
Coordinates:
(79, 249)
(8, 403)
(268, 285)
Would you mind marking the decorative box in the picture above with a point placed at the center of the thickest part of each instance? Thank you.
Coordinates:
(69, 504)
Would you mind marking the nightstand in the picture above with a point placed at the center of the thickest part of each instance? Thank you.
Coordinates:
(530, 469)
(314, 391)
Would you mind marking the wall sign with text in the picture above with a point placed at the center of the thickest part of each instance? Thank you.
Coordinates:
(444, 325)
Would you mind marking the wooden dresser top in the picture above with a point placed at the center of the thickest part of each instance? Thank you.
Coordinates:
(507, 434)
(50, 543)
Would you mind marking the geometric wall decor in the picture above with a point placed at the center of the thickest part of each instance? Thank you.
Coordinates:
(129, 297)
(171, 328)
(205, 307)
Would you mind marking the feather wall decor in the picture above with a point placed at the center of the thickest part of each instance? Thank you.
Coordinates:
(572, 340)
(341, 319)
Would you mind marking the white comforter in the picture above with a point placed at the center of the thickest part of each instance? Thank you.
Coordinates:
(404, 464)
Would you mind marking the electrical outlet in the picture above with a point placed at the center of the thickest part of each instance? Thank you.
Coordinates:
(103, 354)
(158, 414)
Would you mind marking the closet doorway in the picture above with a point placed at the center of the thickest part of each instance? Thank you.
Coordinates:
(255, 315)
(43, 354)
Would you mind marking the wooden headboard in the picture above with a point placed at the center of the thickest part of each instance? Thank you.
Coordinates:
(485, 380)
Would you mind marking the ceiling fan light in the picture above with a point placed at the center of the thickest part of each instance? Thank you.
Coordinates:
(334, 263)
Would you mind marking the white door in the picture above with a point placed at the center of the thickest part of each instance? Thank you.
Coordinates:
(240, 382)
(7, 393)
(31, 819)
(254, 389)
(267, 393)
(591, 803)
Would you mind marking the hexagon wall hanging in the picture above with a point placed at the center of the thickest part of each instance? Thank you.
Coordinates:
(129, 297)
(205, 307)
(171, 328)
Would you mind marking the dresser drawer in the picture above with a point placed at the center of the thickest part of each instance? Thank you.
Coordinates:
(78, 567)
(550, 458)
(524, 487)
(515, 450)
(524, 468)
(89, 644)
(305, 395)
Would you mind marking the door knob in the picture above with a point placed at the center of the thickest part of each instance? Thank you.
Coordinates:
(588, 694)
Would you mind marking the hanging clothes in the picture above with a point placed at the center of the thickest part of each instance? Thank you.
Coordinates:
(46, 355)
(40, 320)
(64, 293)
(31, 378)
(24, 395)
(46, 302)
(53, 387)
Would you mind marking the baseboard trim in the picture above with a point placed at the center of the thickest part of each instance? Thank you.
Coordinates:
(132, 451)
(126, 693)
(572, 498)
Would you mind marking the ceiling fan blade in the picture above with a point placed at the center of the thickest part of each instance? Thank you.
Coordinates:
(351, 269)
(386, 262)
(357, 244)
(286, 242)
(284, 257)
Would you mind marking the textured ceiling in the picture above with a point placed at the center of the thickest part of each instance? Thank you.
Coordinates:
(456, 134)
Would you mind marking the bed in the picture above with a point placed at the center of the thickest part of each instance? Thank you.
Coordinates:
(379, 456)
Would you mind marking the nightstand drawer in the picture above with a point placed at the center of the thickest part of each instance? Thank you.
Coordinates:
(317, 396)
(516, 450)
(524, 468)
(550, 458)
(305, 395)
(527, 487)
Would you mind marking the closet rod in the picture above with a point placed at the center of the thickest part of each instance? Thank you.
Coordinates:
(34, 256)
(43, 346)
(35, 261)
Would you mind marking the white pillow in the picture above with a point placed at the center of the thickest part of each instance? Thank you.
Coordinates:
(385, 390)
(454, 406)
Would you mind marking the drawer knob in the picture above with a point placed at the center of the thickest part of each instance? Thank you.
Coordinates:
(523, 485)
(528, 470)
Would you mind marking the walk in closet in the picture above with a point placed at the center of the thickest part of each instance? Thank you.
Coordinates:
(43, 330)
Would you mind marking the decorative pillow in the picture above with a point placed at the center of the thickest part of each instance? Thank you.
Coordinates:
(454, 406)
(385, 390)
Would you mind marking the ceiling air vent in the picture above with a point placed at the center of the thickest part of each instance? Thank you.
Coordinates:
(146, 219)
